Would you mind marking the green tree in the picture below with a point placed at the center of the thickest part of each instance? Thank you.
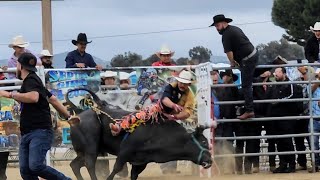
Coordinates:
(200, 53)
(127, 59)
(296, 16)
(268, 52)
(182, 61)
(148, 62)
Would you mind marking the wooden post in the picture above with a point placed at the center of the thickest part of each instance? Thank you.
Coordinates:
(46, 25)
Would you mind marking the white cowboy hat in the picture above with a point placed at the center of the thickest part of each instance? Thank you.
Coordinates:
(45, 53)
(316, 27)
(18, 41)
(164, 50)
(108, 74)
(124, 76)
(185, 77)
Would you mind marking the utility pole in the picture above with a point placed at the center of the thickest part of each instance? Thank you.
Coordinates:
(46, 25)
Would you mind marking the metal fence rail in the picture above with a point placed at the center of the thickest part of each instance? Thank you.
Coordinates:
(309, 117)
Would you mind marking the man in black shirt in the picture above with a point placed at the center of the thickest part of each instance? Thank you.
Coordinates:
(79, 58)
(241, 53)
(35, 121)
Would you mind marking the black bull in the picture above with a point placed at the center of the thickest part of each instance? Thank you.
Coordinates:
(161, 142)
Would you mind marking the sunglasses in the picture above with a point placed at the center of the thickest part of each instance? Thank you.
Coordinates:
(17, 47)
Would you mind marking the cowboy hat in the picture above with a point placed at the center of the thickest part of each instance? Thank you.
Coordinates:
(45, 53)
(82, 37)
(108, 74)
(280, 60)
(164, 50)
(18, 41)
(185, 77)
(229, 73)
(124, 76)
(220, 18)
(316, 27)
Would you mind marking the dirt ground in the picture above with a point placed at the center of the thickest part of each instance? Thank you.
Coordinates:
(153, 173)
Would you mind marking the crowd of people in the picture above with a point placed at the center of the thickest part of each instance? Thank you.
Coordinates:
(36, 127)
(279, 92)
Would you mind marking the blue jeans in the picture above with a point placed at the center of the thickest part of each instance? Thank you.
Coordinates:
(32, 153)
(316, 128)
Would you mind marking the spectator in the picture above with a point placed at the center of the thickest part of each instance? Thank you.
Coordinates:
(311, 49)
(165, 55)
(108, 79)
(124, 81)
(226, 112)
(301, 126)
(19, 46)
(240, 52)
(315, 89)
(46, 59)
(280, 109)
(79, 58)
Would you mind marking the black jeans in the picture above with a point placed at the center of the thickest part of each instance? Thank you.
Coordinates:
(3, 164)
(301, 126)
(247, 68)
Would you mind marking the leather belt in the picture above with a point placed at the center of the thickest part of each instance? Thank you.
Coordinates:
(250, 55)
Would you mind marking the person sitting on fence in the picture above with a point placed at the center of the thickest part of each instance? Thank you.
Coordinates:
(79, 58)
(46, 59)
(19, 46)
(312, 50)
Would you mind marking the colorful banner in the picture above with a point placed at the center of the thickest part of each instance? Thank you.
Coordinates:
(140, 82)
(9, 123)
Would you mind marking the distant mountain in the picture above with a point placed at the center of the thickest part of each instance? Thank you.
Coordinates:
(59, 61)
(219, 59)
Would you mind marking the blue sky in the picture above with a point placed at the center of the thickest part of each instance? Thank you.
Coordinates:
(114, 17)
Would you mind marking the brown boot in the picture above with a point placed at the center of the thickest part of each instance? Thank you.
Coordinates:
(246, 115)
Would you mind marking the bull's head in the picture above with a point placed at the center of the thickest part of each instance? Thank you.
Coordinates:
(198, 146)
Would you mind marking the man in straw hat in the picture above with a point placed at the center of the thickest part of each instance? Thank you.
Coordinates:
(165, 55)
(35, 121)
(19, 45)
(79, 58)
(311, 49)
(46, 59)
(240, 52)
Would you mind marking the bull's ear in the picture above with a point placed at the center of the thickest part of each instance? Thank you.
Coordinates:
(199, 130)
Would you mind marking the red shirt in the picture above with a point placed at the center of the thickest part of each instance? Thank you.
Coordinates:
(159, 63)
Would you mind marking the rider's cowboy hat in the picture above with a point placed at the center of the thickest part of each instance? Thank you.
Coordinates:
(229, 73)
(185, 77)
(220, 18)
(18, 41)
(108, 74)
(164, 50)
(316, 27)
(45, 53)
(82, 38)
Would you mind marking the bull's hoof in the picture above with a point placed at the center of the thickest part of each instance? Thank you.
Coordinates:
(74, 120)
